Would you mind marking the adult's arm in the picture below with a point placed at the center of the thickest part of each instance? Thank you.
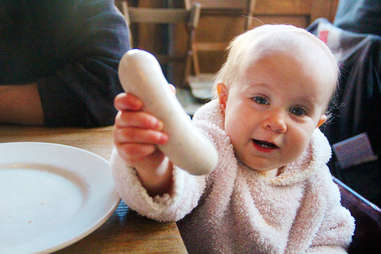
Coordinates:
(20, 104)
(93, 38)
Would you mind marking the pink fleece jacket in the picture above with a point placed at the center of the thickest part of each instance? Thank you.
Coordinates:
(237, 210)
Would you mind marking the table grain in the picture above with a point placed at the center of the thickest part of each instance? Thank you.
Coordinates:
(125, 231)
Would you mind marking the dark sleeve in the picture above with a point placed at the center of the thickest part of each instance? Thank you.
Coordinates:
(91, 40)
(359, 16)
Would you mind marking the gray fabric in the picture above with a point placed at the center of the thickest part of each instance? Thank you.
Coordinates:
(358, 102)
(360, 16)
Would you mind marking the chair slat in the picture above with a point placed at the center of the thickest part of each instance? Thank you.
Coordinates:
(158, 16)
(211, 46)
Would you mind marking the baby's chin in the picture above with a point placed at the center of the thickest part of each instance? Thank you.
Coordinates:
(266, 172)
(262, 169)
(261, 165)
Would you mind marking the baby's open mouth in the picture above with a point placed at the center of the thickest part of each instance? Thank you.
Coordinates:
(265, 144)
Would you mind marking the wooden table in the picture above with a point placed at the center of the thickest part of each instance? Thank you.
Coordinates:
(125, 231)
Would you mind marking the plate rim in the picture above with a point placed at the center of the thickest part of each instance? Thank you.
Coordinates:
(92, 226)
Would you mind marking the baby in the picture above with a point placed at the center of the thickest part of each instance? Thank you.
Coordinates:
(271, 191)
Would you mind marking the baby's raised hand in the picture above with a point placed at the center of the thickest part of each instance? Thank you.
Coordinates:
(136, 133)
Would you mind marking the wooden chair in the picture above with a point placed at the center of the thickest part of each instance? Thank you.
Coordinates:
(166, 16)
(367, 234)
(201, 83)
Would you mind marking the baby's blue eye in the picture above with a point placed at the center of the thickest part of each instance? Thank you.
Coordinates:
(261, 100)
(298, 111)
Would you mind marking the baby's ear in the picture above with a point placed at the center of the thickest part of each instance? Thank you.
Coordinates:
(322, 120)
(222, 93)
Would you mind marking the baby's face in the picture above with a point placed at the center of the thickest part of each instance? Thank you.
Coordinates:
(274, 107)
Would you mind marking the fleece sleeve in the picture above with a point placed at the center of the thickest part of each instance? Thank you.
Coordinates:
(185, 194)
(336, 230)
(92, 38)
(187, 190)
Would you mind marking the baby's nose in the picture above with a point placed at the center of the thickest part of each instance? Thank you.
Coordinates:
(276, 122)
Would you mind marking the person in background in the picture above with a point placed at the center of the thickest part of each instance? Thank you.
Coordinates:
(355, 39)
(359, 16)
(59, 60)
(271, 191)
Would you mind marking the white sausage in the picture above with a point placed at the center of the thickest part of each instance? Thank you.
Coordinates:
(141, 75)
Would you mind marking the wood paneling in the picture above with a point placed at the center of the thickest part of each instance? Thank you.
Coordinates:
(283, 7)
(218, 25)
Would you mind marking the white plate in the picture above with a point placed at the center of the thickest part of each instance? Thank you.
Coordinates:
(51, 196)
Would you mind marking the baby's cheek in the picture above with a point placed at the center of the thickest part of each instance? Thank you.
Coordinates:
(233, 130)
(296, 147)
(229, 124)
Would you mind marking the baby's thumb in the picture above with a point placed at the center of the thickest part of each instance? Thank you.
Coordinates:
(173, 88)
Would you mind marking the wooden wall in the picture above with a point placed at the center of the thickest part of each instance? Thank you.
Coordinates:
(222, 26)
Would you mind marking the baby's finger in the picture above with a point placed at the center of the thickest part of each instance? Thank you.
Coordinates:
(173, 88)
(141, 136)
(137, 119)
(127, 101)
(135, 152)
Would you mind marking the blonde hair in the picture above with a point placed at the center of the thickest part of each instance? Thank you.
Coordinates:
(264, 37)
